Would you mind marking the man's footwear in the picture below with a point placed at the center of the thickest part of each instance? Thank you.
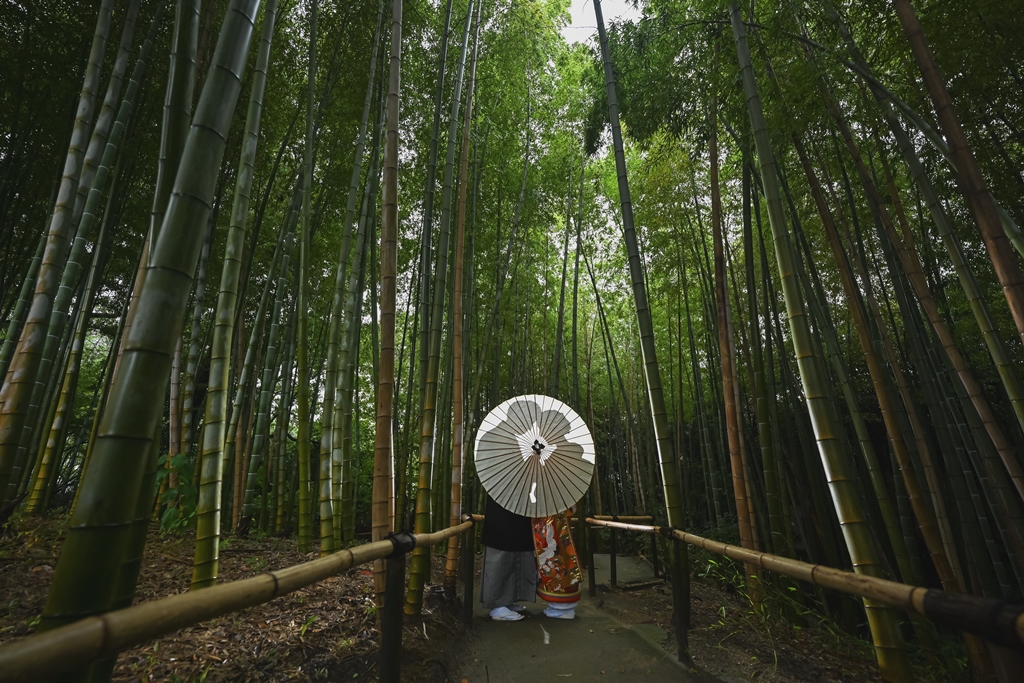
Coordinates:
(560, 613)
(504, 614)
(517, 608)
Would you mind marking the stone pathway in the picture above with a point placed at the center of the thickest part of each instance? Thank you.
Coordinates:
(596, 646)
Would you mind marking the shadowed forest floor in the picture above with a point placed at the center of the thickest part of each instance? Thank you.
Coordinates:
(327, 632)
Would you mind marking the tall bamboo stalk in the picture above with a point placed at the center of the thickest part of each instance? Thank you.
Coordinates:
(302, 307)
(383, 445)
(979, 306)
(970, 180)
(70, 279)
(327, 430)
(267, 384)
(16, 393)
(177, 110)
(727, 350)
(20, 310)
(669, 475)
(892, 657)
(54, 445)
(90, 561)
(195, 344)
(215, 415)
(349, 352)
(426, 234)
(457, 323)
(419, 566)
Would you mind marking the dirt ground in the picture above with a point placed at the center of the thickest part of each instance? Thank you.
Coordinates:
(729, 641)
(327, 632)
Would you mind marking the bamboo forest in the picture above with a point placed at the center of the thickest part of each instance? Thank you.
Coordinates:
(273, 270)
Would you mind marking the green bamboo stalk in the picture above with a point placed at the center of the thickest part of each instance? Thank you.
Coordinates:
(727, 354)
(177, 110)
(348, 355)
(267, 384)
(419, 565)
(194, 347)
(773, 475)
(970, 180)
(215, 441)
(24, 366)
(69, 283)
(382, 504)
(331, 381)
(575, 287)
(979, 307)
(108, 112)
(426, 234)
(553, 382)
(341, 439)
(709, 474)
(225, 316)
(20, 310)
(282, 424)
(174, 432)
(49, 464)
(458, 324)
(666, 457)
(892, 657)
(440, 475)
(910, 262)
(302, 305)
(87, 572)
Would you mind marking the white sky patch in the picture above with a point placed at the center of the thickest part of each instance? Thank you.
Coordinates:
(584, 25)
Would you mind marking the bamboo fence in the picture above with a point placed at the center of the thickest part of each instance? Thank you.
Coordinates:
(996, 620)
(70, 647)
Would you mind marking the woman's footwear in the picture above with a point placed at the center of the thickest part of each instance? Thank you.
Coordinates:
(505, 614)
(517, 608)
(560, 613)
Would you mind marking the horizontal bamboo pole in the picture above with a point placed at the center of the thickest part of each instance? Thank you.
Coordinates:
(75, 645)
(600, 518)
(998, 621)
(635, 519)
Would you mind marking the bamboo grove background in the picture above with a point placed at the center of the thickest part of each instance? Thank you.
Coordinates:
(789, 305)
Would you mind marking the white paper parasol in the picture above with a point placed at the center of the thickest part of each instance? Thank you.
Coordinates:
(534, 455)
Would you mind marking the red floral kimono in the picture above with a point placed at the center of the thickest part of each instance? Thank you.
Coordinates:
(557, 564)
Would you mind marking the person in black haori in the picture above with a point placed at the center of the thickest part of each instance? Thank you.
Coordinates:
(510, 566)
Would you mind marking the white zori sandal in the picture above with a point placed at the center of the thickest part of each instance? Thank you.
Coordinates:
(557, 610)
(505, 614)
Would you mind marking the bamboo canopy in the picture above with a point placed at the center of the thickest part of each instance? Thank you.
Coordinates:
(212, 315)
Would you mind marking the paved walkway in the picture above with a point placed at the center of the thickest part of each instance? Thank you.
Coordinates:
(596, 646)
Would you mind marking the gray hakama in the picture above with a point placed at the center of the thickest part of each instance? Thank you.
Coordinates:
(508, 576)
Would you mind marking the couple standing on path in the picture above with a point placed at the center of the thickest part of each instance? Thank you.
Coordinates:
(524, 558)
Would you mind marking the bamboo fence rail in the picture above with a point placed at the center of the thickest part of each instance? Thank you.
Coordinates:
(70, 647)
(996, 620)
(634, 519)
